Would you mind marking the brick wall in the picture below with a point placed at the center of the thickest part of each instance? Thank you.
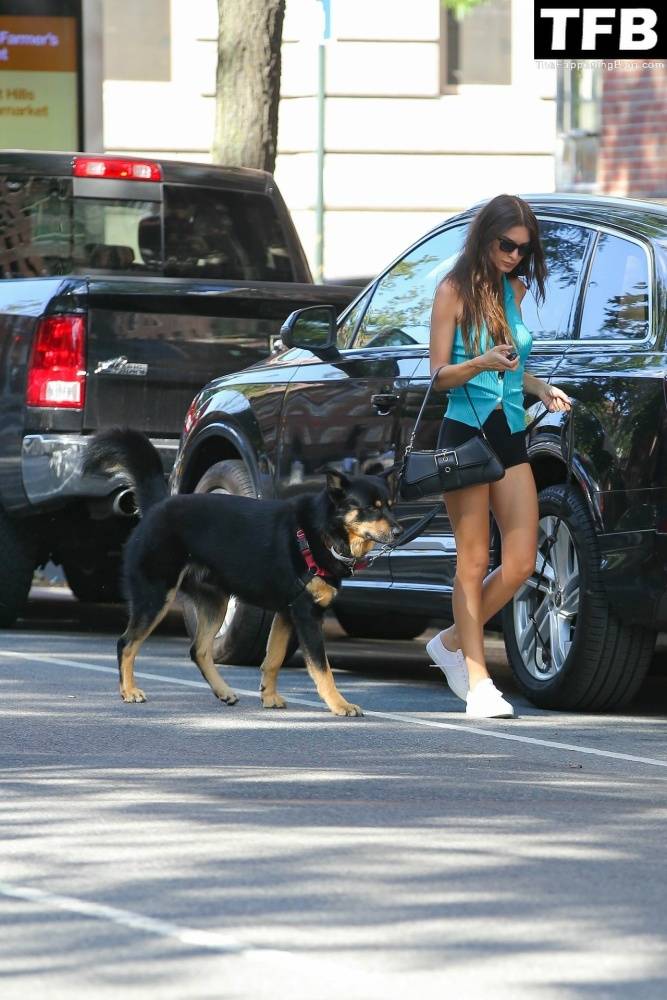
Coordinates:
(633, 141)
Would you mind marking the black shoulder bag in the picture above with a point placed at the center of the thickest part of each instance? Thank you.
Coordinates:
(427, 472)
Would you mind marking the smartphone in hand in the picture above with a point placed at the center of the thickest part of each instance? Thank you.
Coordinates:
(510, 357)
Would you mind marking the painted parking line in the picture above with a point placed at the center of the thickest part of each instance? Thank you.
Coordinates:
(136, 921)
(403, 717)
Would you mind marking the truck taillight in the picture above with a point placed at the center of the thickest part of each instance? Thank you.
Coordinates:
(57, 370)
(115, 168)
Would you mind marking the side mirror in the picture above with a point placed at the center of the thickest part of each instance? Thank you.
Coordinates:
(312, 328)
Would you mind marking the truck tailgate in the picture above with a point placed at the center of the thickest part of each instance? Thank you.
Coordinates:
(153, 344)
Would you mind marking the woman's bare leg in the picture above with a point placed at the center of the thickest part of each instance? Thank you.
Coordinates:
(514, 504)
(468, 512)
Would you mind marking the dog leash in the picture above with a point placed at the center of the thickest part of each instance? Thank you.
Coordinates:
(423, 522)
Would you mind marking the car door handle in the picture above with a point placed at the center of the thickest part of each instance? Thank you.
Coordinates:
(383, 402)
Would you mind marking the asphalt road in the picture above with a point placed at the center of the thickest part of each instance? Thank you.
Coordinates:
(186, 849)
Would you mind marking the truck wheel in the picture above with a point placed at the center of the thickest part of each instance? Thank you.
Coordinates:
(94, 577)
(19, 559)
(243, 635)
(590, 659)
(368, 626)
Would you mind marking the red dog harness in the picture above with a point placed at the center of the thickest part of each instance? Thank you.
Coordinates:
(351, 564)
(308, 555)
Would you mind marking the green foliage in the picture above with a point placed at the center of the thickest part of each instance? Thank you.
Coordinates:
(461, 7)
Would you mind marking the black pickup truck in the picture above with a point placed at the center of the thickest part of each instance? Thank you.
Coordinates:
(126, 285)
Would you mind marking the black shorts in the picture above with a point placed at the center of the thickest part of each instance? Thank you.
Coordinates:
(510, 448)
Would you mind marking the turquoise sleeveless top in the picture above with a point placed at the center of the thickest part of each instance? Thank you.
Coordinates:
(487, 390)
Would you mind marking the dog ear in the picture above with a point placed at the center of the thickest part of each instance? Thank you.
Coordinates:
(337, 483)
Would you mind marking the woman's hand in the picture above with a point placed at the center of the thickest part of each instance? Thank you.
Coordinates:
(497, 359)
(554, 398)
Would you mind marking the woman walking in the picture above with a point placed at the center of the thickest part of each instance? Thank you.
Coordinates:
(478, 335)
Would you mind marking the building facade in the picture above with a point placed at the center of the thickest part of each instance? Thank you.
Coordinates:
(424, 114)
(612, 129)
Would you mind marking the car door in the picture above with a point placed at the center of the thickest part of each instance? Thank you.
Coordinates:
(344, 410)
(615, 370)
(427, 565)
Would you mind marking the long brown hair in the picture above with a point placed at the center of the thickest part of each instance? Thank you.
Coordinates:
(476, 277)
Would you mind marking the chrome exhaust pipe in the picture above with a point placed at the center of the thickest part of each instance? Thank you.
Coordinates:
(124, 504)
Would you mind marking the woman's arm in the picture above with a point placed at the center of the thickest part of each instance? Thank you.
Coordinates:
(533, 385)
(443, 326)
(553, 398)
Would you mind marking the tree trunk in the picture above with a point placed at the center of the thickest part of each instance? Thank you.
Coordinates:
(248, 83)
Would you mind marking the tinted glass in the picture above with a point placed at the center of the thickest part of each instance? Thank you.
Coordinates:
(564, 250)
(223, 234)
(348, 326)
(114, 235)
(616, 302)
(35, 227)
(400, 310)
(45, 231)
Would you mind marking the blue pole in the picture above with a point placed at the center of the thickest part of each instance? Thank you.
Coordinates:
(319, 196)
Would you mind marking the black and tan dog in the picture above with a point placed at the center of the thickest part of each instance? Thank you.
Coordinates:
(286, 556)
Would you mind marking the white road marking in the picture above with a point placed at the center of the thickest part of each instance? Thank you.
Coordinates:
(404, 718)
(127, 918)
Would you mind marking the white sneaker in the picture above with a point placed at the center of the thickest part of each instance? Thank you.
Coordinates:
(486, 702)
(453, 666)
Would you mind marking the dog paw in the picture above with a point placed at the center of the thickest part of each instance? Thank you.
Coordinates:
(345, 708)
(273, 701)
(133, 695)
(227, 696)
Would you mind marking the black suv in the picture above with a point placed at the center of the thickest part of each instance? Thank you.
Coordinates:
(346, 392)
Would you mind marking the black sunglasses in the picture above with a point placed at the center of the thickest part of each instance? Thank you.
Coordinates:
(509, 246)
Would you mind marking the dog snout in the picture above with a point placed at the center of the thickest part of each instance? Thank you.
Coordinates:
(396, 529)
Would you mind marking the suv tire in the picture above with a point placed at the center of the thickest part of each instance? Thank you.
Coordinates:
(243, 635)
(595, 661)
(19, 558)
(381, 626)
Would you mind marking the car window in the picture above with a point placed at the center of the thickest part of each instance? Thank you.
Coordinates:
(35, 226)
(349, 325)
(616, 300)
(400, 311)
(235, 235)
(564, 248)
(115, 235)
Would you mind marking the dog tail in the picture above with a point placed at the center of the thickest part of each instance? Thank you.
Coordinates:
(129, 453)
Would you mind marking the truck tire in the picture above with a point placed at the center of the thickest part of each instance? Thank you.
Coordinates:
(94, 577)
(370, 626)
(242, 638)
(594, 661)
(19, 558)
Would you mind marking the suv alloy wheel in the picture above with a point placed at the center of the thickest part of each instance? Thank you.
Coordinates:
(584, 658)
(244, 632)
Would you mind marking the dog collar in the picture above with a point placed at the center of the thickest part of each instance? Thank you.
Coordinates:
(349, 562)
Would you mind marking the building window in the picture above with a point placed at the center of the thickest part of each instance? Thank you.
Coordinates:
(578, 92)
(137, 40)
(476, 47)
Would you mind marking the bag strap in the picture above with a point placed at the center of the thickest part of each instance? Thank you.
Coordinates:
(427, 394)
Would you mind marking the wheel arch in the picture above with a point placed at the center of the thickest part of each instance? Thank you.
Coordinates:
(215, 443)
(550, 469)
